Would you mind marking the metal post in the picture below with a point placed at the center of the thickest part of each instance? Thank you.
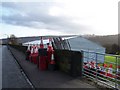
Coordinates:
(82, 62)
(116, 73)
(88, 55)
(96, 68)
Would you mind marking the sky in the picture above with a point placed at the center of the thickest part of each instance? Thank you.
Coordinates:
(58, 17)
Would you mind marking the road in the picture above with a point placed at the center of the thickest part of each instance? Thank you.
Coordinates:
(11, 74)
(0, 67)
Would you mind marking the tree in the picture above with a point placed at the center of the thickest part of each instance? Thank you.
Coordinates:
(13, 39)
(115, 49)
(112, 49)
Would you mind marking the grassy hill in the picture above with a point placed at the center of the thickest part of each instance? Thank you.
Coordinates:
(105, 40)
(110, 42)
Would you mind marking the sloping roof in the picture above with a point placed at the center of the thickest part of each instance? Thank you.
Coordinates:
(89, 49)
(37, 42)
(82, 43)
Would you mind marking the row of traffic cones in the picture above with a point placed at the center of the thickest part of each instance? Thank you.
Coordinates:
(43, 61)
(106, 71)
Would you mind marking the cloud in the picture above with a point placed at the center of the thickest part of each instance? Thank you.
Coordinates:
(36, 15)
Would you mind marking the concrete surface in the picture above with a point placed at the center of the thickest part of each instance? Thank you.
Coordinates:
(48, 79)
(11, 74)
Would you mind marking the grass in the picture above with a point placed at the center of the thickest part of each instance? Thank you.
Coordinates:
(111, 60)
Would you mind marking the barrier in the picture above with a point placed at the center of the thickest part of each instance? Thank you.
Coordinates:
(42, 62)
(104, 73)
(69, 62)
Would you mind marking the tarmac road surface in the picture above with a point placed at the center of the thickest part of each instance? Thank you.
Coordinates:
(11, 74)
(48, 79)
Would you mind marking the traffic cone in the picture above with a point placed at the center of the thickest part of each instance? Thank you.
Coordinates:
(28, 52)
(98, 67)
(41, 43)
(28, 47)
(50, 41)
(52, 59)
(110, 70)
(110, 66)
(36, 49)
(32, 50)
(50, 44)
(38, 46)
(119, 67)
(105, 65)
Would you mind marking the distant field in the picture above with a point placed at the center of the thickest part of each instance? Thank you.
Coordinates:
(111, 60)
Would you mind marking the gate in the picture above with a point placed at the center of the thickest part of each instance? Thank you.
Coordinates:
(106, 73)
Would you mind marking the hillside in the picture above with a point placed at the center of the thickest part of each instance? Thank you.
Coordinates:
(110, 42)
(105, 40)
(102, 40)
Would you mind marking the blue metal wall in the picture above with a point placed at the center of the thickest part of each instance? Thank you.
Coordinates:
(79, 43)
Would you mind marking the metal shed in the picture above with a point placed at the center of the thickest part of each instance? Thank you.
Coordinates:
(91, 50)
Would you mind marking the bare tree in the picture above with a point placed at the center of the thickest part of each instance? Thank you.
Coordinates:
(13, 40)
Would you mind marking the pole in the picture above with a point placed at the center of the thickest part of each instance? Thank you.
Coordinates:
(96, 67)
(116, 73)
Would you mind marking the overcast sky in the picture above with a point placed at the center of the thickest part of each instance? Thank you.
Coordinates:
(58, 17)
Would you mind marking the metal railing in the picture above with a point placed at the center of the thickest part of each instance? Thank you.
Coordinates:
(99, 74)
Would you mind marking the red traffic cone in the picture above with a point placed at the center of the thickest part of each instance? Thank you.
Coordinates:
(28, 48)
(50, 48)
(41, 43)
(32, 50)
(110, 70)
(36, 49)
(110, 66)
(52, 59)
(105, 65)
(50, 41)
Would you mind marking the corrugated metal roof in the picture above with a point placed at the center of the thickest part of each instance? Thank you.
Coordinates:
(79, 42)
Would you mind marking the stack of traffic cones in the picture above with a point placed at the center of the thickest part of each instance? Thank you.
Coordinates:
(52, 58)
(49, 51)
(42, 63)
(50, 48)
(41, 43)
(52, 61)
